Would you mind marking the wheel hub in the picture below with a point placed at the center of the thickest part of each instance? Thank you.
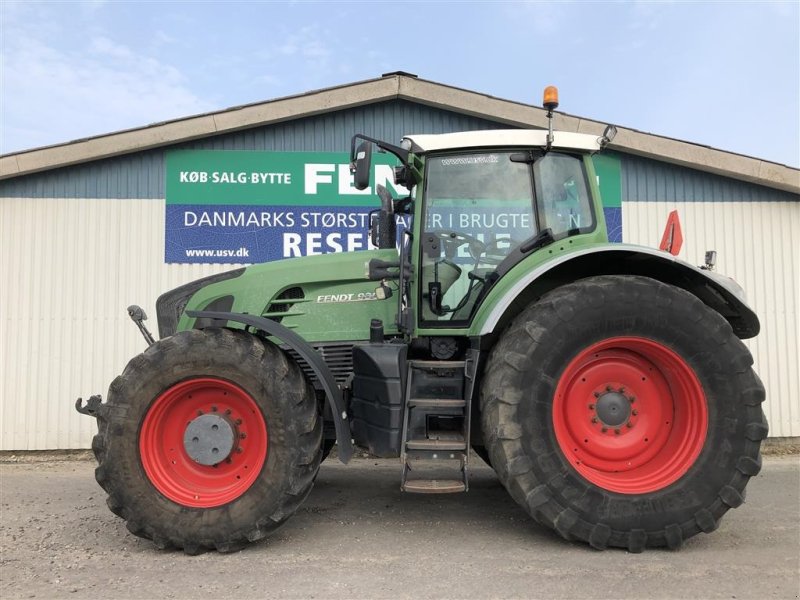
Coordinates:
(613, 408)
(209, 439)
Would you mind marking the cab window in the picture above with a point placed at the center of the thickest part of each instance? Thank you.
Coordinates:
(478, 207)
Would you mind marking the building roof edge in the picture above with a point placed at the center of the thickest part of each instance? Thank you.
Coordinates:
(391, 86)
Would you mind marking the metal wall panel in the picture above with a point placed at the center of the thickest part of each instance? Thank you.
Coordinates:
(646, 180)
(141, 175)
(754, 231)
(756, 243)
(69, 268)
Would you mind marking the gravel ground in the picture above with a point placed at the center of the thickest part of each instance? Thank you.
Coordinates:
(357, 536)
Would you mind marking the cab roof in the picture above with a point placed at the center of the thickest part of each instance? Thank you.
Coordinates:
(491, 138)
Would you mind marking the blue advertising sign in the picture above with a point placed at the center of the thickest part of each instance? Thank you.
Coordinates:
(251, 207)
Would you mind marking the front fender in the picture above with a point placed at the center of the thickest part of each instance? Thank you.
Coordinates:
(526, 283)
(311, 356)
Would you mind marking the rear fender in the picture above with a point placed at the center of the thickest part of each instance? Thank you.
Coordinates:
(310, 355)
(717, 291)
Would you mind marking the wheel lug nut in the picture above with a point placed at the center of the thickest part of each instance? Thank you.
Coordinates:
(621, 389)
(228, 460)
(634, 412)
(238, 421)
(617, 431)
(239, 450)
(604, 429)
(609, 388)
(227, 411)
(597, 394)
(629, 424)
(594, 419)
(213, 409)
(199, 412)
(632, 399)
(591, 407)
(242, 435)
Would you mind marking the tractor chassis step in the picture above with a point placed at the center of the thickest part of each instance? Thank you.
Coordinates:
(434, 486)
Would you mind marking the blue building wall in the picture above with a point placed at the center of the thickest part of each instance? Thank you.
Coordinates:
(141, 175)
(647, 180)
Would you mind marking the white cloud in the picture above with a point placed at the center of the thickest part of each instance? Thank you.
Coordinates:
(307, 42)
(268, 80)
(646, 15)
(52, 96)
(102, 46)
(162, 38)
(541, 18)
(314, 55)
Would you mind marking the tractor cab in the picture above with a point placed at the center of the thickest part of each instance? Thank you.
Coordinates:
(482, 202)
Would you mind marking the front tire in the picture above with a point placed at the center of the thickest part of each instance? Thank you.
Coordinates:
(623, 412)
(210, 439)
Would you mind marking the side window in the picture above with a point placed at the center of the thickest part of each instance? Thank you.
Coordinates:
(478, 208)
(561, 190)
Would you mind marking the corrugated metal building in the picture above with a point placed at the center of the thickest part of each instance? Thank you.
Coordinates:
(82, 233)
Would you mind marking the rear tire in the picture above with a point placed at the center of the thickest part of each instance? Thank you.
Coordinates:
(621, 411)
(247, 387)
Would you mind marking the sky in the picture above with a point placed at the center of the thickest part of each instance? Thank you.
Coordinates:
(723, 74)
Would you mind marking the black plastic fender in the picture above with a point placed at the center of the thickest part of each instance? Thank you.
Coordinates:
(314, 360)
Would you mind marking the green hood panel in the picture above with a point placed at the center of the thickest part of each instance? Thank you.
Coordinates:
(322, 298)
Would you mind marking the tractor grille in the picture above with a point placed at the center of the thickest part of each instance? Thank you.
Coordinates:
(283, 302)
(338, 357)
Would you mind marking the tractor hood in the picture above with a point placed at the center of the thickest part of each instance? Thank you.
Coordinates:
(322, 298)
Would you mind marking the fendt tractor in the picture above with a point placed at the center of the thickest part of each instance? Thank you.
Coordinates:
(605, 383)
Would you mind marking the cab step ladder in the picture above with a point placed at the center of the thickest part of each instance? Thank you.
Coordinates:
(435, 444)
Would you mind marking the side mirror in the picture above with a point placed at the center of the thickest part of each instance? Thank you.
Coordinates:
(362, 165)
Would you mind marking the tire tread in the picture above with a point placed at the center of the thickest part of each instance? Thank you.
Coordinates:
(305, 426)
(546, 497)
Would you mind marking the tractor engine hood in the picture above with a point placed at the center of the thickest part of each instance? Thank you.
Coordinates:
(322, 298)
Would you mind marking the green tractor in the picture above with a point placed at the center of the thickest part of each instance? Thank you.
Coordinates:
(606, 384)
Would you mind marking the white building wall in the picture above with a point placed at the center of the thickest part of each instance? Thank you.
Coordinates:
(758, 245)
(69, 268)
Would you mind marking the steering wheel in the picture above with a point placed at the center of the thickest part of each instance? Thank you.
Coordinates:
(494, 254)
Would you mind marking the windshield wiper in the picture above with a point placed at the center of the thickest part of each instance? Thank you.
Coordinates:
(540, 240)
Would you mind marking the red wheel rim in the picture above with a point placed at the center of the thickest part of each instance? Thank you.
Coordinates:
(167, 463)
(630, 415)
